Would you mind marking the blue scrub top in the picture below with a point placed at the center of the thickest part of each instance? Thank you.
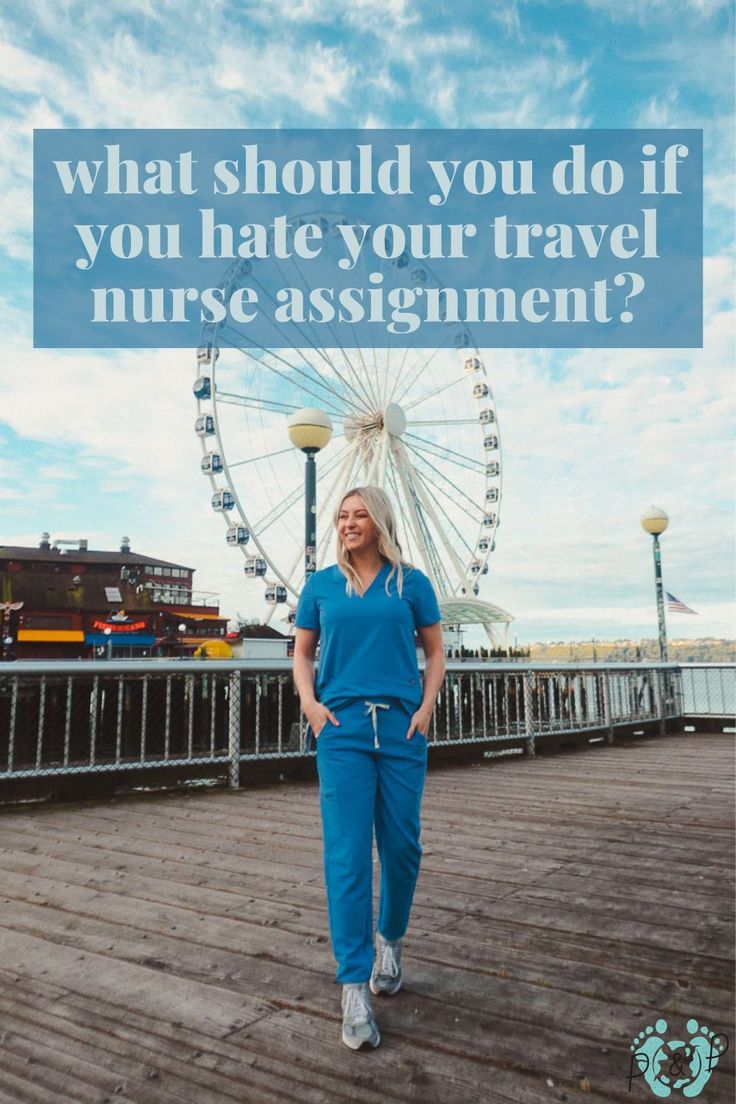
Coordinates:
(367, 643)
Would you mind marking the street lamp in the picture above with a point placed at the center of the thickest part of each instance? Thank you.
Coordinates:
(654, 521)
(310, 430)
(108, 643)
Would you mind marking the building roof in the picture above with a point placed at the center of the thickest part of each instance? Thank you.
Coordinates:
(260, 632)
(471, 611)
(75, 555)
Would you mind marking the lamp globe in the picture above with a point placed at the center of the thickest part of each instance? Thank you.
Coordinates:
(309, 429)
(654, 520)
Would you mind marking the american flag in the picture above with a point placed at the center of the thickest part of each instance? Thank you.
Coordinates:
(674, 605)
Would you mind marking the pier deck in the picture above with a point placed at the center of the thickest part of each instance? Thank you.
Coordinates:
(173, 948)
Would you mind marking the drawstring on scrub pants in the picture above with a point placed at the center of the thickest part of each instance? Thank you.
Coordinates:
(371, 709)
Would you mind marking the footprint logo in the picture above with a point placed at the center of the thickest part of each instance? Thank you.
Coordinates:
(648, 1055)
(707, 1047)
(667, 1064)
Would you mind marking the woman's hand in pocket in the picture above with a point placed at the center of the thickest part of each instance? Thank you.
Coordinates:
(318, 715)
(420, 722)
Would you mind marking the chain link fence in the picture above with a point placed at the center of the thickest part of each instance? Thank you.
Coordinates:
(121, 716)
(708, 689)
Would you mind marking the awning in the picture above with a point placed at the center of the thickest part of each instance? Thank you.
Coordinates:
(120, 640)
(50, 636)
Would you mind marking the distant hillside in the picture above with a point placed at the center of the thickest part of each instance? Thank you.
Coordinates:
(683, 651)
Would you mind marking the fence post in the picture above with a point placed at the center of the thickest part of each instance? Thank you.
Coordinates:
(658, 701)
(13, 718)
(680, 694)
(528, 713)
(671, 698)
(233, 730)
(607, 716)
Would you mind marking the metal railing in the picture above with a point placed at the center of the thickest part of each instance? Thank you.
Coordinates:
(708, 689)
(72, 718)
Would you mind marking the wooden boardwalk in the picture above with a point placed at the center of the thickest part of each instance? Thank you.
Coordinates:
(172, 948)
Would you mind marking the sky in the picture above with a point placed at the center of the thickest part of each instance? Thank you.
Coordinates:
(98, 444)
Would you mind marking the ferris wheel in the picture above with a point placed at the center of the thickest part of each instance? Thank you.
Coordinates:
(420, 423)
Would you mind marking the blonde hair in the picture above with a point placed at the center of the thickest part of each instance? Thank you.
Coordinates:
(380, 511)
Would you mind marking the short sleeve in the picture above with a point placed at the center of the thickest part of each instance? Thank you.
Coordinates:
(307, 611)
(425, 606)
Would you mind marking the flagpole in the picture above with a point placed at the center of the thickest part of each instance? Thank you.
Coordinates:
(654, 521)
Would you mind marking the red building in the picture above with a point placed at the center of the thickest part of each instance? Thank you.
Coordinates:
(65, 601)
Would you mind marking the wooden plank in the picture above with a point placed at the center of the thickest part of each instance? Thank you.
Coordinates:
(527, 1010)
(16, 1082)
(501, 945)
(281, 831)
(626, 861)
(441, 889)
(243, 875)
(84, 1073)
(602, 891)
(97, 853)
(268, 979)
(72, 879)
(140, 1071)
(411, 1067)
(184, 1058)
(212, 1009)
(236, 1067)
(564, 917)
(220, 957)
(176, 912)
(484, 882)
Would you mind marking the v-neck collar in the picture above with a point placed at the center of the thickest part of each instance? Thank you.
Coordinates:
(374, 580)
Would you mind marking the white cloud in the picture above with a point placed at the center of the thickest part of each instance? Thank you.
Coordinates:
(643, 11)
(268, 74)
(57, 473)
(660, 111)
(375, 16)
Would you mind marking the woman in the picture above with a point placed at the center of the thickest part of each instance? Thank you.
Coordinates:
(370, 716)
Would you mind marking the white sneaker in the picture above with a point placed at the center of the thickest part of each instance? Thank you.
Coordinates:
(358, 1024)
(386, 973)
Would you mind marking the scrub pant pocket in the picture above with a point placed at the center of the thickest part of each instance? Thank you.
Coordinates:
(364, 788)
(332, 828)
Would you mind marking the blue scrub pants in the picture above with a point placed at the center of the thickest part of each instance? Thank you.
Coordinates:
(365, 787)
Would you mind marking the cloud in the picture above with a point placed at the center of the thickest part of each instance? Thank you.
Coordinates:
(267, 74)
(367, 16)
(646, 11)
(659, 111)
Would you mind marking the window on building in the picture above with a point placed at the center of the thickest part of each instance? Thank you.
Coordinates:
(46, 621)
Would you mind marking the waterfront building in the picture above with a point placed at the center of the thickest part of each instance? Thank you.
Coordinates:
(258, 641)
(63, 600)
